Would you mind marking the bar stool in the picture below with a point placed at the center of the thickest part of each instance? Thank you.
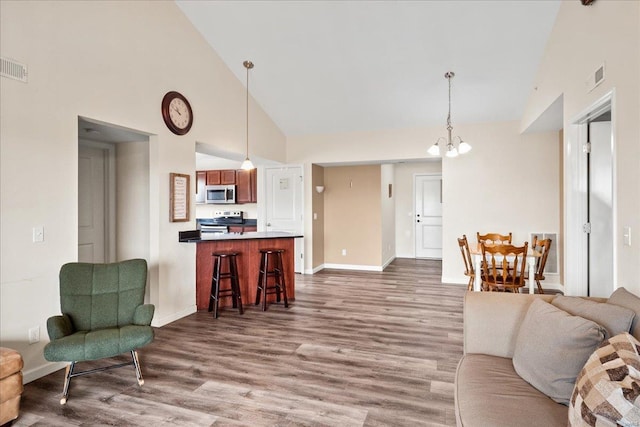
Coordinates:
(218, 275)
(277, 272)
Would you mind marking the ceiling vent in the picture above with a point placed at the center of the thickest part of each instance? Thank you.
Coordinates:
(595, 78)
(13, 70)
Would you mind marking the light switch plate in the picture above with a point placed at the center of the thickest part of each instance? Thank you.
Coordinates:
(626, 235)
(38, 234)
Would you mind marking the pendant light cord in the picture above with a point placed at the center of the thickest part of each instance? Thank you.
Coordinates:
(247, 111)
(449, 127)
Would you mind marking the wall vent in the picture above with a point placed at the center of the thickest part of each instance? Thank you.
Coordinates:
(595, 78)
(13, 70)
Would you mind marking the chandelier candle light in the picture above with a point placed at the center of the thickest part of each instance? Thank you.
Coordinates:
(451, 149)
(247, 165)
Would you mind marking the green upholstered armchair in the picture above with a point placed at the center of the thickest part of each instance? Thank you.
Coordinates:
(103, 315)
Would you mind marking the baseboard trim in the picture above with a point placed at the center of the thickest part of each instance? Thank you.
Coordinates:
(354, 267)
(157, 323)
(389, 261)
(454, 280)
(314, 270)
(41, 371)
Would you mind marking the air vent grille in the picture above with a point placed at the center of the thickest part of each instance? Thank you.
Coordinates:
(13, 70)
(595, 78)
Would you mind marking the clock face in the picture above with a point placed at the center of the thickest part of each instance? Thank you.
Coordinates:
(177, 113)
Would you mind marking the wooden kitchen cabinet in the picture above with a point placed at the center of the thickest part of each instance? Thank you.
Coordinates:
(213, 177)
(246, 186)
(246, 183)
(242, 228)
(221, 177)
(228, 177)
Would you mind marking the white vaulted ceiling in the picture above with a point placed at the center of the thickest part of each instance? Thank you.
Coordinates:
(337, 66)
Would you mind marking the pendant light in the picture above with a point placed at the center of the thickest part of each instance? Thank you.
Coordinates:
(449, 142)
(247, 164)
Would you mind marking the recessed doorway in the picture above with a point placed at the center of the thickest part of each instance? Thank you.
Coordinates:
(113, 192)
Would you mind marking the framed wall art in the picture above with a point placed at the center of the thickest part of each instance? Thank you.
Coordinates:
(179, 192)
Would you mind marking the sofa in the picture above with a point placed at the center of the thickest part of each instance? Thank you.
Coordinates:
(502, 337)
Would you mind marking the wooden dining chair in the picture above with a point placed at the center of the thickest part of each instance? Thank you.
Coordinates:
(495, 238)
(463, 244)
(504, 267)
(542, 246)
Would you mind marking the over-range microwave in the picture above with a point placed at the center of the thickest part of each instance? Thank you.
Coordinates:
(220, 194)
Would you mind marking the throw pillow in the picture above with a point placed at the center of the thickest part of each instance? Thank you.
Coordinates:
(607, 390)
(624, 298)
(552, 347)
(614, 318)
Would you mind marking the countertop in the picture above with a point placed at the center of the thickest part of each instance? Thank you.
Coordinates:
(187, 237)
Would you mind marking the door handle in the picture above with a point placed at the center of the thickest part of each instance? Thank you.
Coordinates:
(418, 221)
(268, 224)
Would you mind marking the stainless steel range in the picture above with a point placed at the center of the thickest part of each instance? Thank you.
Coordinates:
(220, 222)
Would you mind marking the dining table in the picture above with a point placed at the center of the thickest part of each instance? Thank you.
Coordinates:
(476, 254)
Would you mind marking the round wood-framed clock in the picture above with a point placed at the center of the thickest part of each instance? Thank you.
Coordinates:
(177, 113)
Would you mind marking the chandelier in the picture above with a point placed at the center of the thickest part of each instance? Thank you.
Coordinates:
(453, 145)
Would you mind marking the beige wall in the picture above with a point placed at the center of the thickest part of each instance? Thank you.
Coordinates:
(404, 203)
(132, 200)
(388, 214)
(497, 187)
(96, 60)
(317, 200)
(582, 39)
(352, 216)
(499, 168)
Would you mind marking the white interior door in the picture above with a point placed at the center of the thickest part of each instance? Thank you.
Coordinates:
(284, 205)
(91, 204)
(600, 209)
(428, 216)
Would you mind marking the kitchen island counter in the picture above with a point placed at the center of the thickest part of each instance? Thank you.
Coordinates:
(248, 246)
(248, 235)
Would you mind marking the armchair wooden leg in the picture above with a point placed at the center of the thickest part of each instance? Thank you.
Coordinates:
(136, 363)
(67, 379)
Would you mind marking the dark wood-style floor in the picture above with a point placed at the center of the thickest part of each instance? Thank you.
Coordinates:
(354, 349)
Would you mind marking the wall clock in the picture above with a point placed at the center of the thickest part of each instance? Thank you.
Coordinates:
(177, 113)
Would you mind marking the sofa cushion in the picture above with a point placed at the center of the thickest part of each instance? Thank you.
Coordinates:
(614, 318)
(546, 338)
(488, 392)
(607, 391)
(624, 298)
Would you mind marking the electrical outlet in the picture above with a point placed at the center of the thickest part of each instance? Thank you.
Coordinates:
(344, 252)
(34, 335)
(38, 234)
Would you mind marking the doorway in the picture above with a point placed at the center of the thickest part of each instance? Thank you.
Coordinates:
(428, 215)
(96, 235)
(600, 207)
(113, 192)
(590, 202)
